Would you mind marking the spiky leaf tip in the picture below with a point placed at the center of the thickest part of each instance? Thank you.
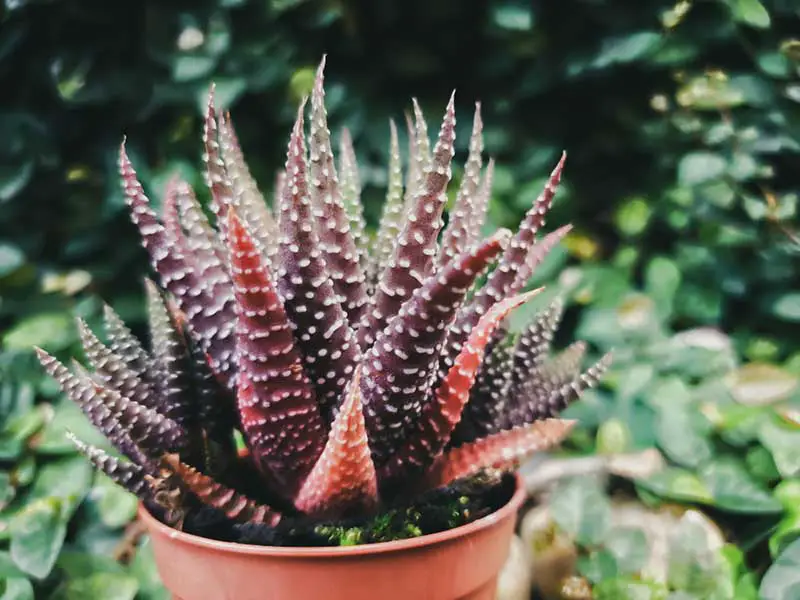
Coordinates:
(131, 476)
(344, 476)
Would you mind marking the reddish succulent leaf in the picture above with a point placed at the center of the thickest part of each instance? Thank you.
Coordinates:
(113, 370)
(116, 416)
(392, 216)
(344, 476)
(456, 235)
(279, 412)
(130, 476)
(441, 415)
(499, 450)
(489, 394)
(333, 224)
(399, 367)
(236, 506)
(327, 342)
(414, 252)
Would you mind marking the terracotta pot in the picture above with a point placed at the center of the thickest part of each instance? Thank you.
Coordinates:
(459, 564)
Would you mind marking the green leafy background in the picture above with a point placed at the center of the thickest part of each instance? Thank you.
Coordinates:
(682, 125)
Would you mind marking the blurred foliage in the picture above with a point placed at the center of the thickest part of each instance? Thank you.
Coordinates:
(682, 124)
(729, 430)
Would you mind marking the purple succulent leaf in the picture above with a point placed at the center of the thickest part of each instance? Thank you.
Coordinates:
(123, 343)
(321, 327)
(333, 225)
(544, 396)
(113, 370)
(215, 174)
(415, 249)
(277, 405)
(456, 235)
(128, 475)
(113, 414)
(400, 368)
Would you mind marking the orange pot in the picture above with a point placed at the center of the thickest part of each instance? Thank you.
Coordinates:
(458, 564)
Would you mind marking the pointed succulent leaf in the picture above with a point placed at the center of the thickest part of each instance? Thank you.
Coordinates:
(201, 241)
(480, 205)
(324, 336)
(534, 342)
(456, 235)
(503, 281)
(169, 361)
(113, 370)
(538, 252)
(351, 193)
(399, 368)
(123, 343)
(392, 217)
(130, 476)
(206, 306)
(112, 413)
(344, 476)
(415, 250)
(249, 201)
(488, 396)
(500, 450)
(439, 417)
(234, 505)
(216, 176)
(277, 406)
(335, 236)
(538, 401)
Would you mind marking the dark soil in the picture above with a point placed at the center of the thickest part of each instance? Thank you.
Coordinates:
(460, 503)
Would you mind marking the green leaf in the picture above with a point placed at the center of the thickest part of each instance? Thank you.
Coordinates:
(67, 478)
(677, 484)
(16, 588)
(100, 586)
(598, 565)
(751, 12)
(37, 534)
(52, 331)
(784, 444)
(13, 179)
(633, 216)
(680, 436)
(145, 571)
(581, 509)
(11, 259)
(117, 507)
(787, 307)
(757, 384)
(662, 280)
(700, 167)
(629, 547)
(733, 489)
(625, 49)
(512, 15)
(782, 580)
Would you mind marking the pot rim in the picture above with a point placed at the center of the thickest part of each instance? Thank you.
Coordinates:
(504, 512)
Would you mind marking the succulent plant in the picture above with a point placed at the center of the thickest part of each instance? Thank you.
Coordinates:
(357, 371)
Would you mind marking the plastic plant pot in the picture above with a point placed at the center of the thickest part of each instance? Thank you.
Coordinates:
(458, 564)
